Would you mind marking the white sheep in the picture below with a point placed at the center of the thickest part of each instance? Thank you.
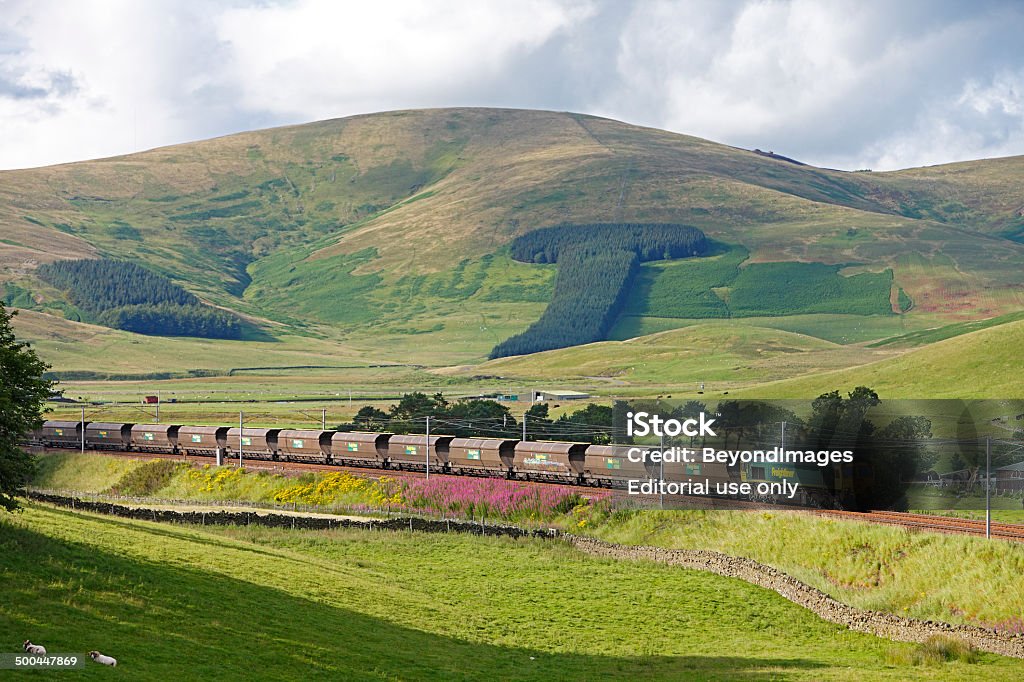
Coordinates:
(100, 658)
(37, 649)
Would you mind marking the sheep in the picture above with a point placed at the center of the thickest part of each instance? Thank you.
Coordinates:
(100, 658)
(37, 649)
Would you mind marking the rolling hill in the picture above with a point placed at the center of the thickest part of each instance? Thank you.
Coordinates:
(980, 364)
(389, 232)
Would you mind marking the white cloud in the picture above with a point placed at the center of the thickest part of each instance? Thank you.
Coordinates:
(985, 120)
(845, 83)
(321, 58)
(825, 82)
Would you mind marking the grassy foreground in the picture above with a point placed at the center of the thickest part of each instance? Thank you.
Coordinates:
(924, 575)
(239, 603)
(932, 576)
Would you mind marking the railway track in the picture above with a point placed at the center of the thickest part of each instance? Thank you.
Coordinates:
(927, 522)
(932, 522)
(265, 465)
(282, 467)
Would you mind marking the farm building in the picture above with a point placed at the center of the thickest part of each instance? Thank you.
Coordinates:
(542, 396)
(1010, 477)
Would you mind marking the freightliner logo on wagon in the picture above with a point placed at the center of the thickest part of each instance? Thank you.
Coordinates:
(644, 424)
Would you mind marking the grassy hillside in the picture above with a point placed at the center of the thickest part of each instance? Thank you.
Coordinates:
(921, 575)
(722, 354)
(359, 605)
(981, 364)
(387, 230)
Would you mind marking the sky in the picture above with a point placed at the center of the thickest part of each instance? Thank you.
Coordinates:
(843, 84)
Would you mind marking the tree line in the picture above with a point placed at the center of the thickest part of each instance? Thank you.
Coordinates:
(127, 296)
(649, 241)
(590, 290)
(483, 418)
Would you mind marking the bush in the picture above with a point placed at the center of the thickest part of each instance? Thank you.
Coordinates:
(146, 479)
(935, 650)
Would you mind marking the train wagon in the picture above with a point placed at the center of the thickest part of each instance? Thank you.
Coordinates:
(812, 487)
(355, 448)
(202, 440)
(492, 456)
(108, 436)
(305, 446)
(410, 452)
(60, 434)
(549, 461)
(155, 438)
(610, 465)
(253, 442)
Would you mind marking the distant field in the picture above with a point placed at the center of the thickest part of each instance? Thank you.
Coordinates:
(843, 329)
(926, 336)
(388, 232)
(718, 287)
(359, 605)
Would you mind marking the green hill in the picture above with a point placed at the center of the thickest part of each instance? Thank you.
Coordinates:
(980, 364)
(389, 231)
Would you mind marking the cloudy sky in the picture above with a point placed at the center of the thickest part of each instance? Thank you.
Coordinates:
(846, 84)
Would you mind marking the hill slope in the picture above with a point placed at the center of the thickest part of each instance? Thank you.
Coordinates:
(387, 229)
(981, 364)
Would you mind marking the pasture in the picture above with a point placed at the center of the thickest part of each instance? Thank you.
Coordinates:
(360, 605)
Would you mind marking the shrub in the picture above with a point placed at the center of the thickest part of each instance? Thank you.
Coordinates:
(933, 651)
(146, 479)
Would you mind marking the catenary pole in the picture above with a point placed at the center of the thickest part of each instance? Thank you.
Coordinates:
(83, 429)
(988, 487)
(241, 440)
(661, 483)
(428, 448)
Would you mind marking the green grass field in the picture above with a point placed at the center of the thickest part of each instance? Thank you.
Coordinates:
(239, 603)
(981, 364)
(923, 575)
(720, 352)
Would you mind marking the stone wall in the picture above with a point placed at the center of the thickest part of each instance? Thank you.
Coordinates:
(878, 623)
(271, 520)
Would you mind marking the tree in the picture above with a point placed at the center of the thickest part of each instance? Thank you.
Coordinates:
(23, 394)
(371, 418)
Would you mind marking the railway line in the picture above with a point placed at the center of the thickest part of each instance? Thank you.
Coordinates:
(405, 456)
(932, 522)
(285, 467)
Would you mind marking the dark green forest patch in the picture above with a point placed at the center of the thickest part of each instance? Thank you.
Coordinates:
(596, 266)
(126, 296)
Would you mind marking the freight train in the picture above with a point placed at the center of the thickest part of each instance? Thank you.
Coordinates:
(609, 466)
